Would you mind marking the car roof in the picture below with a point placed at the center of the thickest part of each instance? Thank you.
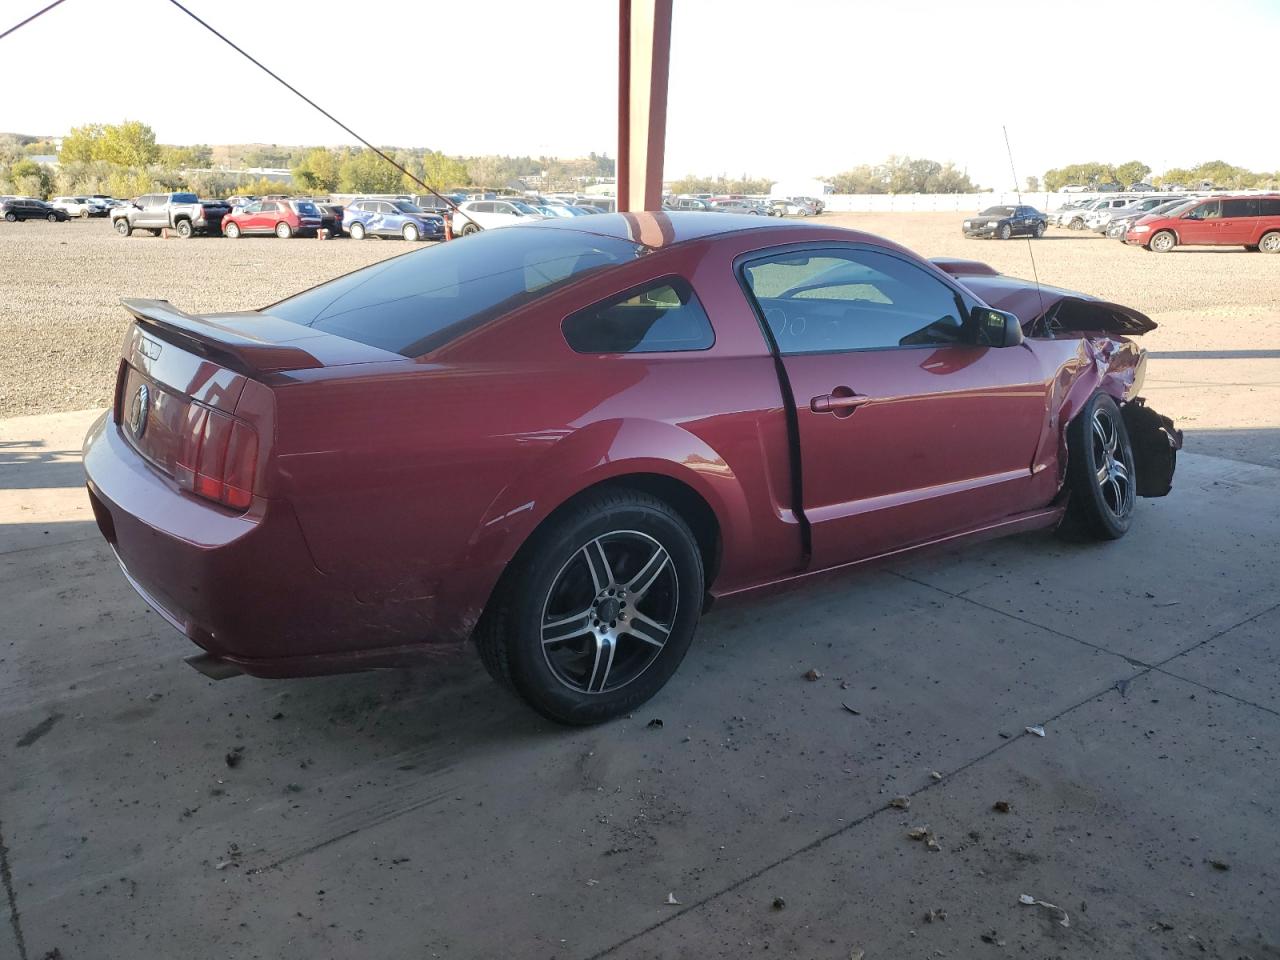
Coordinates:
(666, 228)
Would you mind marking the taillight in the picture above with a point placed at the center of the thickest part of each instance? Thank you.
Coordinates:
(218, 457)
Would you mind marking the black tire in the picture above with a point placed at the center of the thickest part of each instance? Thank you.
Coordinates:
(283, 230)
(552, 569)
(469, 228)
(52, 218)
(183, 229)
(1270, 242)
(357, 231)
(122, 227)
(231, 231)
(411, 233)
(11, 217)
(84, 214)
(1038, 232)
(1005, 232)
(1100, 496)
(1162, 242)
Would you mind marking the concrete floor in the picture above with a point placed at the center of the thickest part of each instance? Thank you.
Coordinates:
(424, 815)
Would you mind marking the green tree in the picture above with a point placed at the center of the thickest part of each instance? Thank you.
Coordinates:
(31, 179)
(129, 144)
(319, 170)
(442, 172)
(81, 144)
(1132, 172)
(363, 171)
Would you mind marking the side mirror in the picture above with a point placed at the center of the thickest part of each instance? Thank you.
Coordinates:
(995, 328)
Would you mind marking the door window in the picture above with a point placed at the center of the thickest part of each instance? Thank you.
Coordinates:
(832, 301)
(1243, 207)
(1206, 211)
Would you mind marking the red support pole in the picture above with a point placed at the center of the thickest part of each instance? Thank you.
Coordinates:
(644, 57)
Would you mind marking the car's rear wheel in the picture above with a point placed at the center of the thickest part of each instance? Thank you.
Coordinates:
(357, 231)
(1163, 242)
(410, 232)
(1101, 480)
(84, 213)
(232, 231)
(470, 228)
(283, 230)
(597, 612)
(1270, 242)
(1005, 231)
(183, 229)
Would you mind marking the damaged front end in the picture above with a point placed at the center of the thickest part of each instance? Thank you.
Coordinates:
(1052, 313)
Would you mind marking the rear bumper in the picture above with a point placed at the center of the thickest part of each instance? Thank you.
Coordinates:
(242, 587)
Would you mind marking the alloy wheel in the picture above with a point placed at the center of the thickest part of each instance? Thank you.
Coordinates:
(609, 612)
(1270, 243)
(1113, 465)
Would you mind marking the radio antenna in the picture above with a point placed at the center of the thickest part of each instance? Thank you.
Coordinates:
(1018, 190)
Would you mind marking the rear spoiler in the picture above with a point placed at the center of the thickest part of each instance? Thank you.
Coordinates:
(228, 347)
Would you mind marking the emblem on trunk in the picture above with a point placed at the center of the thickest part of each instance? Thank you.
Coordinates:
(138, 411)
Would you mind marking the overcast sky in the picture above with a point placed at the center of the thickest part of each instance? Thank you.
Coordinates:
(778, 89)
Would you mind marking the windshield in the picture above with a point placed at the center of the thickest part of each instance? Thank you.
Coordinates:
(1175, 206)
(418, 302)
(997, 212)
(523, 207)
(404, 206)
(184, 198)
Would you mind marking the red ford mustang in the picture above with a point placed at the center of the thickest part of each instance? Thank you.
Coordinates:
(562, 441)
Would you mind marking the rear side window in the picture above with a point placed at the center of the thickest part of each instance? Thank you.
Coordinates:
(1244, 207)
(185, 198)
(660, 317)
(1269, 206)
(415, 303)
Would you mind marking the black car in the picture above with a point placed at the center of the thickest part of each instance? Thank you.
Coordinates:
(25, 208)
(1005, 222)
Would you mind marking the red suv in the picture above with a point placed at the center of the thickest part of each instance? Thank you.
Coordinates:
(284, 218)
(1251, 222)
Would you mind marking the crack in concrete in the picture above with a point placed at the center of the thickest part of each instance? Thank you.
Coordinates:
(6, 878)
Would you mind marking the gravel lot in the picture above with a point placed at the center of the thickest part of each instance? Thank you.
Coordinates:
(1216, 357)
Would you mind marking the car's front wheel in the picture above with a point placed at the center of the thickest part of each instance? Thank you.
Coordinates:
(52, 218)
(184, 229)
(1101, 479)
(1005, 231)
(410, 232)
(1039, 230)
(10, 217)
(1163, 242)
(470, 228)
(123, 228)
(598, 610)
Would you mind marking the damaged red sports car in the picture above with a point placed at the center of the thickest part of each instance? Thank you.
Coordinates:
(562, 441)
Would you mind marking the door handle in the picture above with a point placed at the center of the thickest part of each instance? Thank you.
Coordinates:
(841, 401)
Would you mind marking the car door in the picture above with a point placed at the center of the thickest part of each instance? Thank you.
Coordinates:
(1199, 225)
(249, 216)
(1239, 217)
(145, 213)
(908, 431)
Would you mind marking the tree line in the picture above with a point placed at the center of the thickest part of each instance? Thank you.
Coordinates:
(1217, 172)
(125, 160)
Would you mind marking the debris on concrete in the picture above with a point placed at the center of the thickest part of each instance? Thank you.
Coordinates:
(672, 901)
(902, 803)
(655, 723)
(1219, 864)
(1001, 806)
(935, 775)
(153, 697)
(234, 756)
(812, 674)
(857, 954)
(918, 833)
(1037, 730)
(293, 788)
(856, 713)
(779, 903)
(1029, 901)
(992, 937)
(935, 916)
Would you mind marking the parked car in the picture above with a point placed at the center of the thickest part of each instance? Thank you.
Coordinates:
(184, 213)
(241, 200)
(1003, 222)
(790, 208)
(816, 203)
(1062, 216)
(533, 441)
(737, 206)
(1098, 219)
(284, 218)
(1120, 224)
(330, 217)
(82, 207)
(391, 218)
(476, 215)
(1142, 187)
(1252, 222)
(107, 201)
(28, 208)
(433, 204)
(1076, 221)
(1074, 188)
(690, 203)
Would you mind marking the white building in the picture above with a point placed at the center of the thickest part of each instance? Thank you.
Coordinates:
(801, 187)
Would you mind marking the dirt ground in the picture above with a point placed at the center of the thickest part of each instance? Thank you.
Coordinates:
(1216, 356)
(895, 807)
